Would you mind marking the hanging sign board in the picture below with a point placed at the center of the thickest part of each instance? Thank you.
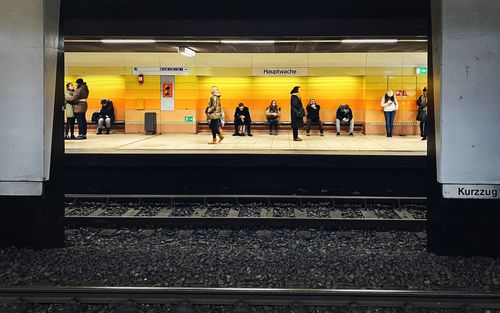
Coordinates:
(285, 71)
(471, 191)
(162, 70)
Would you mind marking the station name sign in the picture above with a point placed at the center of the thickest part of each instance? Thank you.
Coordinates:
(471, 191)
(162, 70)
(266, 71)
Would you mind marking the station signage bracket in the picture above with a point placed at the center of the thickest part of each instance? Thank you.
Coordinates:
(161, 70)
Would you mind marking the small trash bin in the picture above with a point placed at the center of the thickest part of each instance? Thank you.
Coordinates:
(150, 123)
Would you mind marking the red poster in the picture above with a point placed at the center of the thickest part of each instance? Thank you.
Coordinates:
(167, 90)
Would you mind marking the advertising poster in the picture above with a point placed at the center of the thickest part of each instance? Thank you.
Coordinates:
(167, 85)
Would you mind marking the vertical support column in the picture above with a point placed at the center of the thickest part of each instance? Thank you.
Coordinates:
(464, 206)
(31, 91)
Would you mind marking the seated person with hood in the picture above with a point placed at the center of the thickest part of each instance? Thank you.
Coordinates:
(106, 116)
(242, 121)
(344, 116)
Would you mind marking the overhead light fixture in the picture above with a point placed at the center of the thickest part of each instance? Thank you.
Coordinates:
(185, 51)
(249, 41)
(128, 41)
(369, 41)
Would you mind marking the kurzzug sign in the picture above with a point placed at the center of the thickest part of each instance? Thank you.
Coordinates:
(471, 191)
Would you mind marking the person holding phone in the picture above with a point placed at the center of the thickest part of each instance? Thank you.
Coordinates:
(390, 104)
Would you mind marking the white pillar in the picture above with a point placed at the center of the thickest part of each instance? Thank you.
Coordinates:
(466, 57)
(29, 41)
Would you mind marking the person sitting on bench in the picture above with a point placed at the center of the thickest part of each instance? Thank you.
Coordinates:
(344, 116)
(242, 121)
(273, 113)
(313, 117)
(106, 116)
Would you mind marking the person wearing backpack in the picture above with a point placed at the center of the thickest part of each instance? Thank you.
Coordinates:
(106, 116)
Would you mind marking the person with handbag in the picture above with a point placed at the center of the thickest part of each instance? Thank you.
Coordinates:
(214, 114)
(390, 104)
(297, 113)
(79, 101)
(422, 113)
(69, 130)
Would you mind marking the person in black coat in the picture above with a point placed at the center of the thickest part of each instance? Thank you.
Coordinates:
(296, 113)
(242, 121)
(422, 113)
(106, 116)
(313, 117)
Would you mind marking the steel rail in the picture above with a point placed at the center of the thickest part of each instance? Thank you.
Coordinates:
(253, 296)
(250, 222)
(285, 197)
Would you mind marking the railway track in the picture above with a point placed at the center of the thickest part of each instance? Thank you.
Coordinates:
(277, 211)
(246, 297)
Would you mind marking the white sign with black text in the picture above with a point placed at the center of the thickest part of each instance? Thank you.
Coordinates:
(285, 71)
(162, 70)
(471, 191)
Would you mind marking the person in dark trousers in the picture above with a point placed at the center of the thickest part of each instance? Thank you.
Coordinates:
(106, 116)
(422, 113)
(242, 121)
(344, 116)
(79, 101)
(214, 115)
(297, 113)
(390, 105)
(313, 117)
(273, 112)
(69, 130)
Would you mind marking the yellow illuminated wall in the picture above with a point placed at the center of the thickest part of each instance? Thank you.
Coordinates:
(361, 92)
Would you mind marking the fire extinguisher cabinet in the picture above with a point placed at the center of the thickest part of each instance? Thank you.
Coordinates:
(150, 123)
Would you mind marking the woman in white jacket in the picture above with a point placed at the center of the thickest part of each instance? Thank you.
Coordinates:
(390, 105)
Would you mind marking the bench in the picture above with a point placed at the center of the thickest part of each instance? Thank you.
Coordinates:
(259, 125)
(117, 126)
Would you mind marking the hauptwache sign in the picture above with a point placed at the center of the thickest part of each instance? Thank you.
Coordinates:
(280, 71)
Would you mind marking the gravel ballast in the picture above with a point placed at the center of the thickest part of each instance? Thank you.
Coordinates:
(283, 259)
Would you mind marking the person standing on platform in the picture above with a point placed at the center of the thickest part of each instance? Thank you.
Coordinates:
(390, 105)
(79, 101)
(273, 112)
(313, 117)
(242, 121)
(214, 115)
(422, 113)
(344, 116)
(69, 130)
(297, 113)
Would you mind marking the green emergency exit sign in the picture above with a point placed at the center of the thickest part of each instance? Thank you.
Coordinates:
(421, 70)
(188, 119)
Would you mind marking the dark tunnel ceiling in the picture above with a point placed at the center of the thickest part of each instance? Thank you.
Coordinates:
(257, 18)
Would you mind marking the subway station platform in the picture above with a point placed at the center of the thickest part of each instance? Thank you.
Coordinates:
(260, 143)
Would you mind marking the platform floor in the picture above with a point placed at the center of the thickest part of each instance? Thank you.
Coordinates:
(260, 143)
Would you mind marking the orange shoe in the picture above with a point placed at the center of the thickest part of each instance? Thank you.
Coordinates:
(221, 138)
(213, 142)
